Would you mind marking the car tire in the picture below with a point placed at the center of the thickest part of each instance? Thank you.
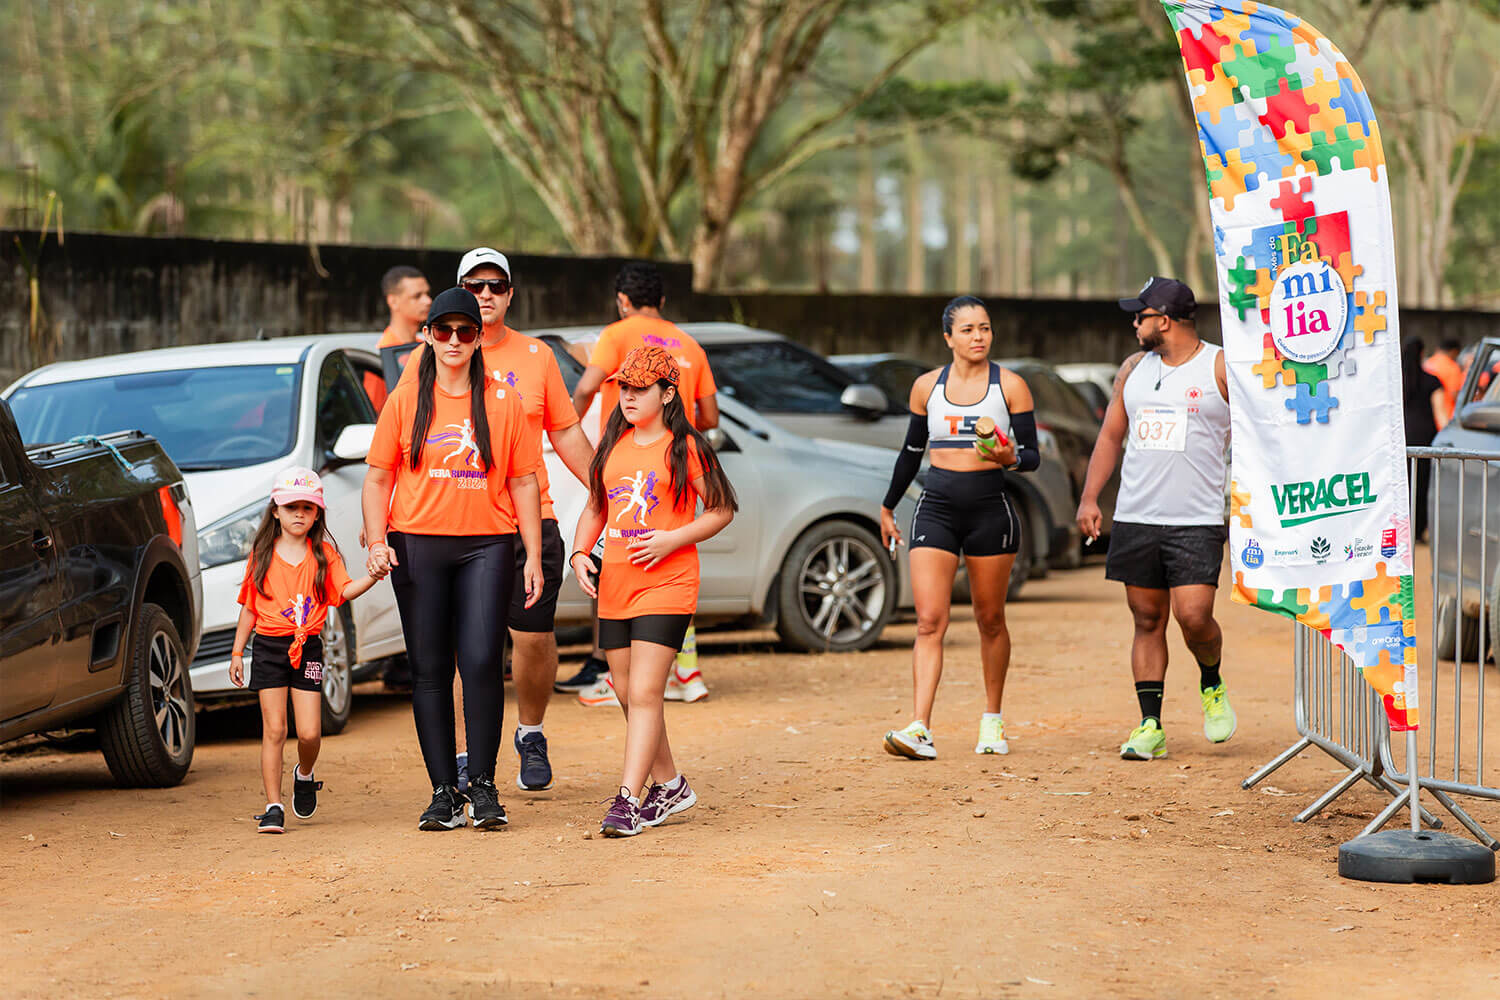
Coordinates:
(1494, 636)
(819, 607)
(1025, 565)
(338, 671)
(1447, 633)
(147, 736)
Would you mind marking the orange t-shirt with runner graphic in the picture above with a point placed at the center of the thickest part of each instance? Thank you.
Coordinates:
(450, 493)
(638, 483)
(528, 366)
(290, 603)
(695, 380)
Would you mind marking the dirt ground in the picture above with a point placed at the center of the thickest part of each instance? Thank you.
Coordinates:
(815, 864)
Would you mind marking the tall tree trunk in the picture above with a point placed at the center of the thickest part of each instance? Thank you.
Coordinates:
(867, 208)
(988, 236)
(916, 250)
(963, 211)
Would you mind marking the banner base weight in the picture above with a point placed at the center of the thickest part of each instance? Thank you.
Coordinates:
(1404, 856)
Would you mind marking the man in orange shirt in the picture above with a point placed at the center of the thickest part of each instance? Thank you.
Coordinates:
(639, 297)
(1443, 364)
(408, 297)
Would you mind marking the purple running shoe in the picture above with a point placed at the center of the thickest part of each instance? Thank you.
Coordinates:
(667, 800)
(623, 818)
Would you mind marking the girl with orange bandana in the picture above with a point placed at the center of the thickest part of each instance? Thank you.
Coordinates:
(648, 476)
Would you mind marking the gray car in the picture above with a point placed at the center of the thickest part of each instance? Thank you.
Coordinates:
(802, 555)
(1474, 427)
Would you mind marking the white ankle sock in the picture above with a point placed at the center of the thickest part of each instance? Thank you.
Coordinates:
(991, 715)
(524, 731)
(275, 805)
(300, 776)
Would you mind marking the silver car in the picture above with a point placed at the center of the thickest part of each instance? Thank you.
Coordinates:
(802, 555)
(1474, 427)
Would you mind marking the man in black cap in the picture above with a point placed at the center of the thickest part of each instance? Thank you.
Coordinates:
(1170, 416)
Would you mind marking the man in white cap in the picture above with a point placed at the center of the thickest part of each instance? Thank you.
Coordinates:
(527, 367)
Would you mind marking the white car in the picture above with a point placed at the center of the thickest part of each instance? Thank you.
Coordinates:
(231, 416)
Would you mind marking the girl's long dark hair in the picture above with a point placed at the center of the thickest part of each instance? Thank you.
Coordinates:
(421, 420)
(264, 545)
(718, 491)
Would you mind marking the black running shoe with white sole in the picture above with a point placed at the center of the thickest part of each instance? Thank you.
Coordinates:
(536, 770)
(446, 811)
(273, 820)
(305, 795)
(588, 675)
(484, 805)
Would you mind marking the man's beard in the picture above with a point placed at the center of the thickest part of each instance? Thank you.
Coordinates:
(1153, 341)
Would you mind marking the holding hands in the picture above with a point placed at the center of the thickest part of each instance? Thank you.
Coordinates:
(379, 560)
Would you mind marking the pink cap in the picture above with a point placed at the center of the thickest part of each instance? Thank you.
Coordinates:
(296, 484)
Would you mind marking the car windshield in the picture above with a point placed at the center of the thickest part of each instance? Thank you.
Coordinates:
(776, 376)
(205, 418)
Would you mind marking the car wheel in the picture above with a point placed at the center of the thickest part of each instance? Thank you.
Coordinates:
(836, 590)
(147, 736)
(1494, 636)
(1025, 566)
(1447, 633)
(338, 671)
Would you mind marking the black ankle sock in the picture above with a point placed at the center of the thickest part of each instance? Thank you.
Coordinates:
(1208, 676)
(1149, 694)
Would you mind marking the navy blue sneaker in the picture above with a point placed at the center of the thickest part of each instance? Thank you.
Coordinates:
(588, 675)
(536, 770)
(463, 772)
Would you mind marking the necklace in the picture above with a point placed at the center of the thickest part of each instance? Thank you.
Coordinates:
(1161, 371)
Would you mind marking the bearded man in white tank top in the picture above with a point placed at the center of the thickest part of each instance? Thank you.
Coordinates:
(1170, 416)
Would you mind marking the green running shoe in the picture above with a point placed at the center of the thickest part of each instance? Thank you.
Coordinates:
(1218, 714)
(1147, 742)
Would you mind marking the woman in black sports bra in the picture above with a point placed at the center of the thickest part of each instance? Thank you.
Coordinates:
(964, 509)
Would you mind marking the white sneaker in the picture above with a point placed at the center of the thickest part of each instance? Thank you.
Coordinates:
(991, 737)
(601, 694)
(685, 685)
(914, 741)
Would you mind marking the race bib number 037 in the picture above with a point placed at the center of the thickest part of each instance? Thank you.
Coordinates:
(1160, 428)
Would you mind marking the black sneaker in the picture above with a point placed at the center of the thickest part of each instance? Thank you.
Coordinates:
(273, 820)
(484, 805)
(588, 675)
(305, 796)
(536, 769)
(463, 772)
(446, 811)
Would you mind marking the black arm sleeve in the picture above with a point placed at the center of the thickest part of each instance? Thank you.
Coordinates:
(1023, 426)
(910, 459)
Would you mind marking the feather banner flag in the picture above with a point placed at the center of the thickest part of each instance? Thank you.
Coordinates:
(1319, 522)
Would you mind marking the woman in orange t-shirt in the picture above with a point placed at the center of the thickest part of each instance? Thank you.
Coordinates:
(452, 474)
(649, 474)
(294, 575)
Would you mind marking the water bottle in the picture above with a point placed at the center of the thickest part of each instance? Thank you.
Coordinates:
(987, 437)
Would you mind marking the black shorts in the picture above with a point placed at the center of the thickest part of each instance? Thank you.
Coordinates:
(541, 616)
(966, 512)
(664, 630)
(271, 667)
(1162, 556)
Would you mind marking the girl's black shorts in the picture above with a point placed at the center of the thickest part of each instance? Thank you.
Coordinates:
(271, 666)
(664, 630)
(966, 512)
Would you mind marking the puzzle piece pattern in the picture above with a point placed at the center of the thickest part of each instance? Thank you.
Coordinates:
(1367, 320)
(1239, 505)
(1316, 401)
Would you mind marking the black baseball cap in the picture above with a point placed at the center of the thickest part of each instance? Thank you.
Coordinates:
(458, 301)
(1166, 294)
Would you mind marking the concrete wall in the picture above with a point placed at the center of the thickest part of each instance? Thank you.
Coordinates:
(101, 294)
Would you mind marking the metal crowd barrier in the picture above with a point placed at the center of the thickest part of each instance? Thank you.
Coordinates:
(1339, 714)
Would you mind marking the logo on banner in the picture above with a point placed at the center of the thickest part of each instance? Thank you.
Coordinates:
(1252, 556)
(1388, 542)
(1359, 550)
(1301, 503)
(1309, 305)
(1321, 549)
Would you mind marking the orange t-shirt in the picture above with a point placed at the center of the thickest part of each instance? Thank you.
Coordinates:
(638, 482)
(695, 380)
(450, 493)
(528, 366)
(1449, 372)
(290, 604)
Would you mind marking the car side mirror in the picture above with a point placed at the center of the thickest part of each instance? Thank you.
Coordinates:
(1480, 417)
(866, 400)
(718, 440)
(354, 443)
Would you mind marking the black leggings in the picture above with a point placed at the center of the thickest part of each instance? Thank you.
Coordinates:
(452, 591)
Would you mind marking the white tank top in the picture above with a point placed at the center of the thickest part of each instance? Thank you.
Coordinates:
(952, 426)
(1176, 436)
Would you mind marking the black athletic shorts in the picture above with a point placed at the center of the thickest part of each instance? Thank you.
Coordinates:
(664, 630)
(541, 615)
(966, 512)
(271, 666)
(1162, 556)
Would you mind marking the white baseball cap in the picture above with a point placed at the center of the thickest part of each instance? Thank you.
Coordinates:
(483, 255)
(296, 484)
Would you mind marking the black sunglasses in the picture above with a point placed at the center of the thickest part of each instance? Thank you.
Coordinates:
(466, 333)
(1143, 314)
(476, 285)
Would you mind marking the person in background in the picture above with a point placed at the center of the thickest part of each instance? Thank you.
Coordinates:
(639, 297)
(1424, 400)
(407, 297)
(1445, 366)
